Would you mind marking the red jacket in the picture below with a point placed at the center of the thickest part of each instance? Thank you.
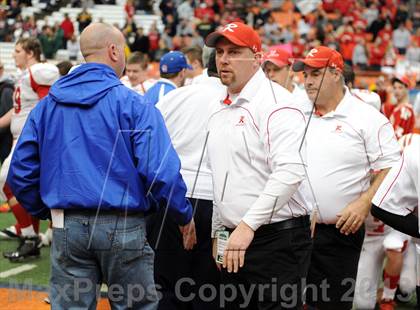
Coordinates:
(376, 54)
(68, 28)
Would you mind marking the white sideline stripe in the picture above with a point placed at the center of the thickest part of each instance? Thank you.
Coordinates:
(17, 270)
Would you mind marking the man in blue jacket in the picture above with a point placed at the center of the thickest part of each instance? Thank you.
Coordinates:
(172, 68)
(91, 155)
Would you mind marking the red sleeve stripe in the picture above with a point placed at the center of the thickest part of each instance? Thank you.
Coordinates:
(268, 122)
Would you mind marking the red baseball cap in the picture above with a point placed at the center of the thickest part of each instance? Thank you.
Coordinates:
(278, 56)
(239, 34)
(403, 80)
(320, 57)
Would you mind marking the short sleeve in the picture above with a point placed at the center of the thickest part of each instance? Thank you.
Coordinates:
(381, 145)
(397, 193)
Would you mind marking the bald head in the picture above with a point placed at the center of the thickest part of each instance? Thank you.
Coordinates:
(103, 43)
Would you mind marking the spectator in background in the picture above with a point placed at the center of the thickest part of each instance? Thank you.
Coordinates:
(270, 26)
(376, 54)
(386, 33)
(84, 18)
(5, 29)
(73, 47)
(14, 10)
(401, 38)
(162, 50)
(377, 25)
(154, 38)
(167, 7)
(29, 27)
(347, 44)
(371, 13)
(413, 53)
(401, 15)
(303, 26)
(17, 26)
(59, 36)
(129, 8)
(68, 28)
(360, 58)
(129, 27)
(202, 10)
(298, 48)
(286, 34)
(48, 41)
(196, 39)
(141, 42)
(167, 39)
(171, 24)
(184, 28)
(185, 10)
(206, 26)
(390, 57)
(84, 4)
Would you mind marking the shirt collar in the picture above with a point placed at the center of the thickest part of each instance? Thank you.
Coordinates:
(345, 104)
(343, 108)
(250, 89)
(166, 81)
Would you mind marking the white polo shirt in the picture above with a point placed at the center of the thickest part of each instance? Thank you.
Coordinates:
(369, 97)
(186, 111)
(253, 149)
(344, 146)
(399, 193)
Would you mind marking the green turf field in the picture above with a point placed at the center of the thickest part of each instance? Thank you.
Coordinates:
(39, 276)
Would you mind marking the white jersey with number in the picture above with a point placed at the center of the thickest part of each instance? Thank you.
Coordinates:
(30, 88)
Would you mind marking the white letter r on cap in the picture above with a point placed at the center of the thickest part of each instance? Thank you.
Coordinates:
(230, 27)
(312, 52)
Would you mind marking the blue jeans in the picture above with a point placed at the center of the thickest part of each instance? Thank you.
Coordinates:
(111, 249)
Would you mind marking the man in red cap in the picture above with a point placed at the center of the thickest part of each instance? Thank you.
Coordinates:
(254, 153)
(276, 65)
(346, 140)
(400, 112)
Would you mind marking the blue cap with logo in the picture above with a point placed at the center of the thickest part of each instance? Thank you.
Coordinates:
(173, 62)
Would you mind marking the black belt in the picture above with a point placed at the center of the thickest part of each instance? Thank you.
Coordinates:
(296, 222)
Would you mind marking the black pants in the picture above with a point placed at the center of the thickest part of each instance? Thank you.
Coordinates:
(333, 269)
(273, 276)
(179, 274)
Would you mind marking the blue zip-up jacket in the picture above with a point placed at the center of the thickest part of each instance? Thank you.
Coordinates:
(157, 91)
(93, 142)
